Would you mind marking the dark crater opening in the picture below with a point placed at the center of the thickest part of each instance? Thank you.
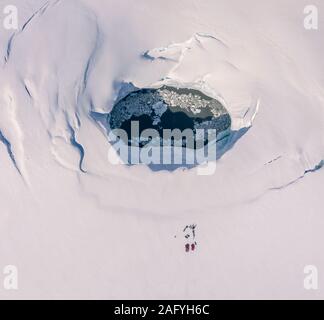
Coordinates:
(169, 108)
(163, 109)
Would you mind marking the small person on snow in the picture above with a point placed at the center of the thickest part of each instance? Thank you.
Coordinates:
(190, 235)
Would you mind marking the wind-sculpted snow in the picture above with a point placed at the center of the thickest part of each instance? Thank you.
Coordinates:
(63, 79)
(65, 69)
(37, 13)
(7, 144)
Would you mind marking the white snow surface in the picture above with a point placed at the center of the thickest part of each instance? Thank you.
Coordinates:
(85, 228)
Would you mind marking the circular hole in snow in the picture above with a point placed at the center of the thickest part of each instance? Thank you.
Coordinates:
(166, 109)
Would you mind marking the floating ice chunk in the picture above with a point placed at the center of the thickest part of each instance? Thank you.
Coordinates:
(159, 108)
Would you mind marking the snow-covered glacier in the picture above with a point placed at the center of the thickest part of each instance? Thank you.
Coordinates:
(78, 226)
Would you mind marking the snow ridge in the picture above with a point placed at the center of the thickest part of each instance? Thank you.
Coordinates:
(7, 144)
